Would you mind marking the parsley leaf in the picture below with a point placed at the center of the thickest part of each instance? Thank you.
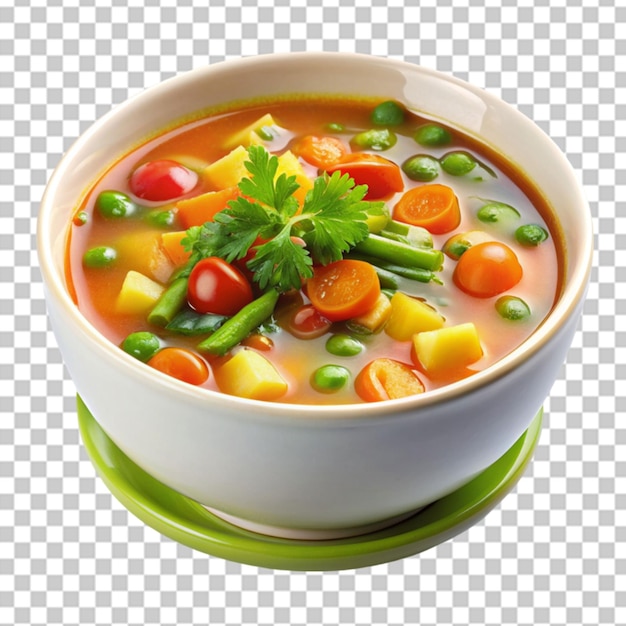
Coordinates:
(331, 222)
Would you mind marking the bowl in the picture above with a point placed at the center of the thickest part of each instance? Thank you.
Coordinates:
(311, 471)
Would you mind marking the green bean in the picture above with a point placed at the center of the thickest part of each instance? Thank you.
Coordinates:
(388, 113)
(142, 345)
(388, 267)
(100, 256)
(330, 378)
(170, 302)
(240, 325)
(400, 253)
(407, 233)
(432, 135)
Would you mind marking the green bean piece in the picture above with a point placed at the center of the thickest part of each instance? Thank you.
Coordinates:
(375, 139)
(388, 113)
(100, 256)
(240, 325)
(531, 235)
(330, 378)
(400, 253)
(390, 268)
(421, 167)
(342, 344)
(432, 135)
(512, 308)
(170, 302)
(143, 345)
(161, 219)
(458, 163)
(113, 204)
(386, 279)
(265, 133)
(335, 127)
(410, 234)
(495, 212)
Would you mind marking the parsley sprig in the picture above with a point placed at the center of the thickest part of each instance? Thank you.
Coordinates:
(331, 222)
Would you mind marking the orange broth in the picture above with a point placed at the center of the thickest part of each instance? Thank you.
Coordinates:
(202, 142)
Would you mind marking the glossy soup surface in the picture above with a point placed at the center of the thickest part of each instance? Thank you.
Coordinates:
(137, 242)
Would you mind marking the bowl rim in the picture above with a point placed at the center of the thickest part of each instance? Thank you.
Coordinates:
(568, 301)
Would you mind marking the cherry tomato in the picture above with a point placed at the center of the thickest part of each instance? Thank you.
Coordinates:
(182, 364)
(162, 180)
(217, 287)
(307, 322)
(487, 269)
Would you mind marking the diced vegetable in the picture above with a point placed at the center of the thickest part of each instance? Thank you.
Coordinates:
(170, 302)
(432, 135)
(142, 345)
(378, 139)
(138, 294)
(406, 233)
(114, 204)
(459, 243)
(388, 113)
(433, 207)
(306, 322)
(330, 378)
(447, 349)
(199, 209)
(400, 253)
(512, 308)
(377, 220)
(188, 322)
(172, 244)
(458, 163)
(162, 180)
(409, 316)
(322, 151)
(255, 133)
(143, 251)
(531, 235)
(421, 167)
(376, 317)
(494, 212)
(487, 269)
(248, 374)
(100, 256)
(289, 165)
(341, 344)
(229, 170)
(343, 289)
(387, 379)
(181, 364)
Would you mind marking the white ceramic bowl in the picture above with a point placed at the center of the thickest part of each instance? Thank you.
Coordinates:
(313, 471)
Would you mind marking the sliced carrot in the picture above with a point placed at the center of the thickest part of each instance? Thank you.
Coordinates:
(323, 151)
(182, 364)
(174, 248)
(200, 209)
(433, 207)
(387, 379)
(344, 289)
(382, 177)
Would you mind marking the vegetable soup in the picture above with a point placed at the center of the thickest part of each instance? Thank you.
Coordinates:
(315, 250)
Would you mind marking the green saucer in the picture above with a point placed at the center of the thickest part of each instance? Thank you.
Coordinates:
(189, 523)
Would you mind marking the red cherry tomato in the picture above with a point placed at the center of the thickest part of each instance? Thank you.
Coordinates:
(308, 323)
(217, 287)
(487, 269)
(162, 180)
(182, 364)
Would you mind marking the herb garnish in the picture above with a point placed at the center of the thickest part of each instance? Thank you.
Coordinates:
(331, 222)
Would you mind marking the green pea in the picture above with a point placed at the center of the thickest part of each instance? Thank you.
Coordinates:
(388, 113)
(161, 219)
(376, 139)
(458, 163)
(335, 127)
(531, 235)
(512, 308)
(100, 256)
(494, 212)
(432, 135)
(330, 378)
(142, 345)
(421, 167)
(343, 345)
(115, 204)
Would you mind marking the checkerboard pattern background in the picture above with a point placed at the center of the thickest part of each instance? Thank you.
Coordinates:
(554, 552)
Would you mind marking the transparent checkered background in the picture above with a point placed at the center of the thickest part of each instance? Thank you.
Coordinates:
(554, 552)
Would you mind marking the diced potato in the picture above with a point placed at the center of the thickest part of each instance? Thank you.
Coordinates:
(249, 374)
(138, 294)
(447, 349)
(376, 318)
(144, 252)
(289, 165)
(249, 136)
(229, 170)
(409, 316)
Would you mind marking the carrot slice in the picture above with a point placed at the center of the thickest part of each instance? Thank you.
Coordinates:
(321, 151)
(387, 379)
(433, 207)
(382, 177)
(173, 247)
(343, 289)
(200, 209)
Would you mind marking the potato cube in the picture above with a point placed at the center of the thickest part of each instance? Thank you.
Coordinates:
(249, 135)
(410, 316)
(289, 165)
(138, 294)
(249, 374)
(447, 349)
(229, 170)
(376, 317)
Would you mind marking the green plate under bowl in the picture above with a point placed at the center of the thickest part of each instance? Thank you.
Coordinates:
(189, 523)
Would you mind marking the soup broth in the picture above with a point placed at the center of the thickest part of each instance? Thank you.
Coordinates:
(125, 253)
